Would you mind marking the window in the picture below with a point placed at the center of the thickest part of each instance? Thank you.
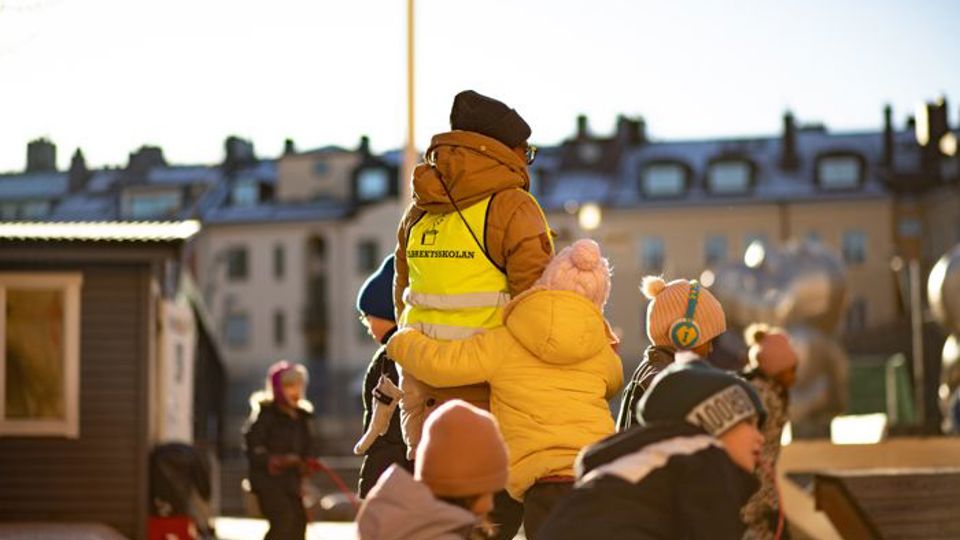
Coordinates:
(839, 172)
(856, 319)
(664, 180)
(373, 183)
(279, 262)
(368, 256)
(153, 205)
(589, 152)
(39, 357)
(279, 328)
(237, 264)
(246, 192)
(236, 331)
(909, 228)
(854, 247)
(729, 177)
(715, 250)
(321, 168)
(34, 209)
(24, 210)
(653, 254)
(9, 210)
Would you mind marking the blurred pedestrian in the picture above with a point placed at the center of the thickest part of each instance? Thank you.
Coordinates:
(551, 370)
(772, 371)
(279, 447)
(382, 442)
(461, 463)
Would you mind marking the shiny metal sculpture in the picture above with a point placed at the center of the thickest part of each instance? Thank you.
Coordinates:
(801, 288)
(943, 293)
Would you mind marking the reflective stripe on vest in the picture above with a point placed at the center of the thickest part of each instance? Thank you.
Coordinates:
(454, 289)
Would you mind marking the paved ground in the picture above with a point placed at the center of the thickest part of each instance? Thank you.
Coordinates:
(254, 529)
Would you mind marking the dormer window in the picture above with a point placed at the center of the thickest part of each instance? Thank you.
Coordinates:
(730, 177)
(664, 180)
(843, 171)
(589, 152)
(246, 192)
(153, 204)
(373, 183)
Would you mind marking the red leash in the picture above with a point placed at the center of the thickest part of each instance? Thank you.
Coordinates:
(316, 465)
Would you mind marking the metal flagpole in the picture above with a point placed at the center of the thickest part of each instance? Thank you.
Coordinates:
(410, 151)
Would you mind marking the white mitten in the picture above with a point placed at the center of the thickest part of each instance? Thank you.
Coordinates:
(413, 412)
(386, 397)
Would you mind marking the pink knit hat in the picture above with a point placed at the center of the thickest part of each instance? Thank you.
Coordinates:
(770, 349)
(579, 268)
(669, 303)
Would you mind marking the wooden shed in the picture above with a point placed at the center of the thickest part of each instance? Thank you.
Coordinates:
(93, 365)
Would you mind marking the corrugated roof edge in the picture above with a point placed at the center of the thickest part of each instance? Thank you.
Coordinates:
(95, 231)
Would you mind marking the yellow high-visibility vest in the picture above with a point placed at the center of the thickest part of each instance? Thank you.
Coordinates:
(455, 290)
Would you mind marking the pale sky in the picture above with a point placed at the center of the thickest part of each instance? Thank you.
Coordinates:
(111, 75)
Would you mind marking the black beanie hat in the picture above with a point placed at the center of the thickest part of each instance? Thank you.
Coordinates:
(700, 394)
(376, 294)
(475, 112)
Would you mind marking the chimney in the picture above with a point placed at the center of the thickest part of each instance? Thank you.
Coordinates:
(931, 123)
(789, 160)
(889, 143)
(41, 156)
(79, 174)
(146, 158)
(364, 147)
(630, 131)
(582, 129)
(289, 147)
(239, 153)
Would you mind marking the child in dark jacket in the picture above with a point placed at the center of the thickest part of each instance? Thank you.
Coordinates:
(382, 443)
(772, 371)
(684, 473)
(670, 303)
(279, 446)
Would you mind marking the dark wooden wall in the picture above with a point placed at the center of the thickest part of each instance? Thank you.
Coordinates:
(100, 477)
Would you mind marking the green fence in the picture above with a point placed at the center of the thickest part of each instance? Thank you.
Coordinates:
(880, 384)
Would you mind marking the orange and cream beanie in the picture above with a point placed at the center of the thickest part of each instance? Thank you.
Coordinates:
(669, 303)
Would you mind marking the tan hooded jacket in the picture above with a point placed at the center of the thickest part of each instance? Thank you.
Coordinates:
(475, 167)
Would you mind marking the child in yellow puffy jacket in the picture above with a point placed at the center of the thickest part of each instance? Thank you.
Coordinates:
(551, 369)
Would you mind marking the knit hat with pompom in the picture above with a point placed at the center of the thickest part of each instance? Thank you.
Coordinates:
(581, 269)
(668, 304)
(770, 349)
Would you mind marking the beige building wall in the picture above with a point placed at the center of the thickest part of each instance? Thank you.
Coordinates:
(941, 213)
(684, 232)
(260, 295)
(313, 175)
(872, 281)
(351, 348)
